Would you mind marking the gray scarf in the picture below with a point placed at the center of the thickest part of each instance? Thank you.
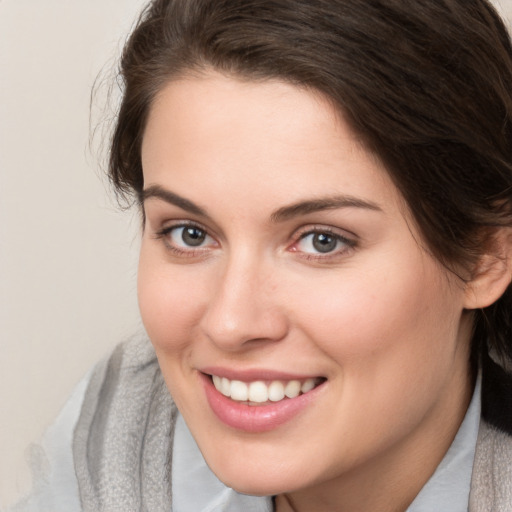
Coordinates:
(123, 439)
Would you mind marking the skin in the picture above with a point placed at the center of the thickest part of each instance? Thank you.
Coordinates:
(377, 316)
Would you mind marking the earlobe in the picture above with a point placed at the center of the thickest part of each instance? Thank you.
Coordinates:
(493, 272)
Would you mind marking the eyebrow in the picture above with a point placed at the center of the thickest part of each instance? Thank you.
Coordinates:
(327, 203)
(280, 215)
(170, 197)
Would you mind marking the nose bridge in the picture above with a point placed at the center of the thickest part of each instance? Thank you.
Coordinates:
(242, 306)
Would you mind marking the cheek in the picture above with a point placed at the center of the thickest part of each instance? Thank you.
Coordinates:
(392, 337)
(170, 301)
(385, 320)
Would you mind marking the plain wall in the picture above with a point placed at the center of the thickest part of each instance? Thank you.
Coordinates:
(67, 253)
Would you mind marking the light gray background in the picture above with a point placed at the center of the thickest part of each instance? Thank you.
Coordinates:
(67, 254)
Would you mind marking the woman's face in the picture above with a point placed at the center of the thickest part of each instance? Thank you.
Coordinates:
(279, 258)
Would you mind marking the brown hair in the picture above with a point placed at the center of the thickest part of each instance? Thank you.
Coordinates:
(427, 84)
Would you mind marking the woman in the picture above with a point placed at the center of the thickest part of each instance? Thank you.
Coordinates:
(324, 275)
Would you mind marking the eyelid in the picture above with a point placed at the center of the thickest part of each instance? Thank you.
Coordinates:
(323, 228)
(164, 232)
(346, 237)
(158, 213)
(167, 225)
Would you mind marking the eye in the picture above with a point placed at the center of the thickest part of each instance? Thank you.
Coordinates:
(323, 242)
(185, 238)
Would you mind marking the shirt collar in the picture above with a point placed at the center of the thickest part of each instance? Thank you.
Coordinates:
(449, 486)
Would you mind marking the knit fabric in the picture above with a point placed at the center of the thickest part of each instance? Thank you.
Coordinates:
(123, 439)
(491, 485)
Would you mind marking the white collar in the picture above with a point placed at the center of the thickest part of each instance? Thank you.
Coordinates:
(449, 486)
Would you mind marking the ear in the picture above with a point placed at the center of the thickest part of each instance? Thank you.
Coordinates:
(492, 273)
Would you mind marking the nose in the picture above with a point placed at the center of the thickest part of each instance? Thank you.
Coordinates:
(244, 306)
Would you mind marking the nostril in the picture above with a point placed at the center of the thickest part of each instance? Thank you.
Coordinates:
(251, 328)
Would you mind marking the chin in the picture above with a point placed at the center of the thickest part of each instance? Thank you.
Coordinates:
(255, 488)
(258, 480)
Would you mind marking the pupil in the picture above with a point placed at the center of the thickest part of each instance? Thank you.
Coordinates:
(324, 243)
(193, 236)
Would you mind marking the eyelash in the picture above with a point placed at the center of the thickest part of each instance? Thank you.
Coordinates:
(349, 244)
(166, 232)
(191, 252)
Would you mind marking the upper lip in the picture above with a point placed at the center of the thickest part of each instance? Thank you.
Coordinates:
(254, 374)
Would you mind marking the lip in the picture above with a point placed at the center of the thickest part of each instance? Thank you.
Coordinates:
(254, 374)
(258, 418)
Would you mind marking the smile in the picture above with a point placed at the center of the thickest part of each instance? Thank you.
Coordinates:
(259, 405)
(259, 392)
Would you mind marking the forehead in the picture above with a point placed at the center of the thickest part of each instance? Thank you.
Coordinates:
(214, 134)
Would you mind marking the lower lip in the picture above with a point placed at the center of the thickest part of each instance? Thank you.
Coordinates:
(255, 418)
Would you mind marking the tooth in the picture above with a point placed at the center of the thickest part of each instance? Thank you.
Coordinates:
(292, 389)
(308, 385)
(216, 382)
(276, 391)
(225, 386)
(239, 390)
(258, 392)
